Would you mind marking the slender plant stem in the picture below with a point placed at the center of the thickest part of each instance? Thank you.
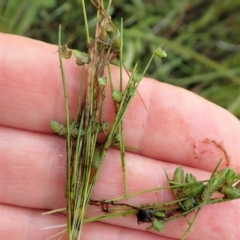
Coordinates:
(190, 225)
(85, 21)
(68, 147)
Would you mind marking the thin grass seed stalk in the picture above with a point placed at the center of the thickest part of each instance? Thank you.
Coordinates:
(85, 155)
(157, 214)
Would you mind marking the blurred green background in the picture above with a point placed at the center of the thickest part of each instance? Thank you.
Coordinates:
(201, 37)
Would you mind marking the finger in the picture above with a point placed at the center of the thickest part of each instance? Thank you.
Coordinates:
(33, 165)
(177, 126)
(28, 224)
(30, 82)
(143, 173)
(210, 223)
(181, 127)
(32, 172)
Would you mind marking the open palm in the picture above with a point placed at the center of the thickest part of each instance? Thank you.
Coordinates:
(172, 128)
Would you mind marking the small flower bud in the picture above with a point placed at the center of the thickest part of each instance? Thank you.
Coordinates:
(191, 190)
(230, 192)
(187, 204)
(96, 162)
(157, 224)
(159, 214)
(117, 96)
(230, 175)
(58, 128)
(178, 175)
(65, 52)
(160, 53)
(102, 81)
(105, 126)
(137, 77)
(81, 57)
(190, 178)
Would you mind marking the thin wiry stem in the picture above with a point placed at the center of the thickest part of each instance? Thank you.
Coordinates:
(85, 21)
(68, 144)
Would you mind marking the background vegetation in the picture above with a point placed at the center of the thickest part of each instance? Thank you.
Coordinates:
(201, 37)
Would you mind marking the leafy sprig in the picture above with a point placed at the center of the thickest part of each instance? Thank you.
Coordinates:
(85, 154)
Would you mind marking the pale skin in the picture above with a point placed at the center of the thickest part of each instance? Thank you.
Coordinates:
(174, 128)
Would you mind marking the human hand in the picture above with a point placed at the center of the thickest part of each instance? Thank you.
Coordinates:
(176, 128)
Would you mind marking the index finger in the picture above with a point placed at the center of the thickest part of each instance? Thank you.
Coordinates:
(176, 126)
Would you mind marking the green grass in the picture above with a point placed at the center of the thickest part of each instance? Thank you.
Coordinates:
(201, 38)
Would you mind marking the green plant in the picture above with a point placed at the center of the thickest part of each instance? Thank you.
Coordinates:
(85, 154)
